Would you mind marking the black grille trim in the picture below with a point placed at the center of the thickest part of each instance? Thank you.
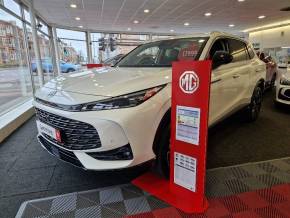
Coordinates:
(64, 155)
(75, 135)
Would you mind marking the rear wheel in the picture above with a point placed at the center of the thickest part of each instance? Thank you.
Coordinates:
(70, 70)
(273, 80)
(254, 108)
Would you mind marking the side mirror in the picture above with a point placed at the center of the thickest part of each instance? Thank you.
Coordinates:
(220, 58)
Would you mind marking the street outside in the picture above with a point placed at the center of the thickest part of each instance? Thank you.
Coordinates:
(15, 86)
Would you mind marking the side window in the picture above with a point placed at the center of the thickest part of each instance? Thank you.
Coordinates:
(251, 52)
(238, 50)
(219, 45)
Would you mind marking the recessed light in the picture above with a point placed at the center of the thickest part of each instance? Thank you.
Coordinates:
(80, 26)
(241, 0)
(262, 17)
(208, 14)
(171, 30)
(231, 25)
(73, 5)
(77, 18)
(186, 24)
(135, 21)
(146, 11)
(129, 29)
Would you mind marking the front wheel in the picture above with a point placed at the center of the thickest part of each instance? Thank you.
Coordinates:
(163, 153)
(253, 110)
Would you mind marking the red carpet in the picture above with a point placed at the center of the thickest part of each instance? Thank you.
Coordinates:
(272, 202)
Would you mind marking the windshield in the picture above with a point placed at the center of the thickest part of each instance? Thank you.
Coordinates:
(163, 53)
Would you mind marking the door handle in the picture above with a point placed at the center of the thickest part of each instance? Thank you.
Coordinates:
(215, 81)
(258, 70)
(236, 76)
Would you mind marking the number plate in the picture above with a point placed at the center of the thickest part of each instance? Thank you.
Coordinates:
(48, 130)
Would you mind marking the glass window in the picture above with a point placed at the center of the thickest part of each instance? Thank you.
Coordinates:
(70, 34)
(15, 81)
(251, 52)
(12, 6)
(163, 53)
(46, 57)
(73, 49)
(237, 50)
(27, 16)
(72, 52)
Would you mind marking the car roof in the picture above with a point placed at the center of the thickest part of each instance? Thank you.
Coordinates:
(213, 34)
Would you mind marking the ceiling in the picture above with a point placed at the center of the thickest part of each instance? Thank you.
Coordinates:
(164, 15)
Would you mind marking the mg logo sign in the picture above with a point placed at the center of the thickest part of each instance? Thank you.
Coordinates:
(189, 82)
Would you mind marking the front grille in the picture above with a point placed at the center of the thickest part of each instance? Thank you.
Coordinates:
(75, 135)
(62, 154)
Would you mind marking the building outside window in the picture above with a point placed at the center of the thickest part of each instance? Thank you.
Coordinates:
(72, 48)
(15, 80)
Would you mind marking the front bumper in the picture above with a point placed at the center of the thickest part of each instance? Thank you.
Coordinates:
(82, 159)
(283, 94)
(131, 126)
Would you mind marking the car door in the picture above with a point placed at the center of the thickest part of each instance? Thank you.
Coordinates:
(221, 81)
(240, 72)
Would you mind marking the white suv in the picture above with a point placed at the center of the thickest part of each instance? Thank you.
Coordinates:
(119, 117)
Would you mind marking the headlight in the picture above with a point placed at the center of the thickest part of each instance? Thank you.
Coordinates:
(285, 81)
(123, 101)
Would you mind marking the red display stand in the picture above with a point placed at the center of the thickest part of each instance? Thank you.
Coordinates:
(189, 126)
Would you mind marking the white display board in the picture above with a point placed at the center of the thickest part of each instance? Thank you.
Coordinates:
(187, 124)
(185, 171)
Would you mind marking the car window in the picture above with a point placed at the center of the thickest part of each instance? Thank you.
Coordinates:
(237, 50)
(163, 53)
(219, 45)
(251, 52)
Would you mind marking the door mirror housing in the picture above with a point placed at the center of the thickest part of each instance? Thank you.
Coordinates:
(220, 58)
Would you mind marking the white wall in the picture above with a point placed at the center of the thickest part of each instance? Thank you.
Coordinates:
(272, 38)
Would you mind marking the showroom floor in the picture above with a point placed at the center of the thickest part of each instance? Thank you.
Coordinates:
(28, 172)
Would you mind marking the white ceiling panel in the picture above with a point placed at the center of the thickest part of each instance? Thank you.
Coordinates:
(164, 15)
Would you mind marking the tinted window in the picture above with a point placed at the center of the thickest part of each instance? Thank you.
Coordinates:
(238, 50)
(218, 45)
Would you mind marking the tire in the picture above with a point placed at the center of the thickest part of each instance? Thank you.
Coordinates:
(163, 152)
(272, 82)
(70, 70)
(253, 110)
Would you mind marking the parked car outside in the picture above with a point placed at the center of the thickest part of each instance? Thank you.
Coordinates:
(47, 66)
(118, 117)
(282, 96)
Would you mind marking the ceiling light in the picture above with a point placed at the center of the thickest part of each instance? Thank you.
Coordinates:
(241, 0)
(262, 17)
(186, 24)
(171, 30)
(129, 29)
(146, 11)
(80, 26)
(135, 21)
(77, 18)
(208, 14)
(232, 25)
(73, 5)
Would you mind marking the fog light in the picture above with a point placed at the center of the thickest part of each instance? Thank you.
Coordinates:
(122, 153)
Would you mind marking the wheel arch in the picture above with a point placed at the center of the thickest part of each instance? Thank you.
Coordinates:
(164, 121)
